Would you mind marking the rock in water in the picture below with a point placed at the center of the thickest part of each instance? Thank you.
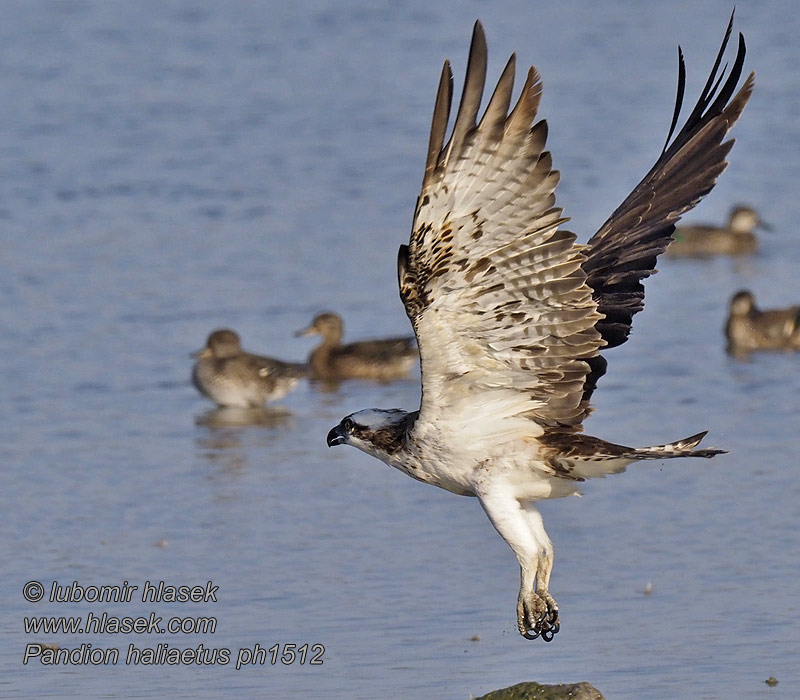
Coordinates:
(537, 691)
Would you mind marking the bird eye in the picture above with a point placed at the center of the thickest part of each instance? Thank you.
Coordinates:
(348, 426)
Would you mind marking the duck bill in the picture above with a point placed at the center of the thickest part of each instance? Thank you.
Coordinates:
(308, 330)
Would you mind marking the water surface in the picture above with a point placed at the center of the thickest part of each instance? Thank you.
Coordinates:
(169, 168)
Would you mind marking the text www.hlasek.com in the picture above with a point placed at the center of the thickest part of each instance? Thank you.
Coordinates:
(110, 624)
(162, 653)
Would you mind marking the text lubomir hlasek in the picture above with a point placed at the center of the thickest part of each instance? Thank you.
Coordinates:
(158, 592)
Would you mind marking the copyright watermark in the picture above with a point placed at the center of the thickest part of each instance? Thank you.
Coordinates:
(33, 591)
(151, 592)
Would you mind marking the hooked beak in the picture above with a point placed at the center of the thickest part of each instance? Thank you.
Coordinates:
(764, 226)
(199, 354)
(335, 437)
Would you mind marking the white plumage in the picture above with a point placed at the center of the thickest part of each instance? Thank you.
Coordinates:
(510, 314)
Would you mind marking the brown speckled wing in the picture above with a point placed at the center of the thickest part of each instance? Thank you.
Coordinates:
(498, 295)
(494, 289)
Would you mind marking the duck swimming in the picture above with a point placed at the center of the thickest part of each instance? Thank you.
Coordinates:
(737, 237)
(749, 329)
(230, 376)
(383, 360)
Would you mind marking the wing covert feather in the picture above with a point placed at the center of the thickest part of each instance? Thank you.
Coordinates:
(506, 307)
(625, 249)
(494, 288)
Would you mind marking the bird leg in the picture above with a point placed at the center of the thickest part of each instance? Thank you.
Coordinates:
(520, 525)
(537, 610)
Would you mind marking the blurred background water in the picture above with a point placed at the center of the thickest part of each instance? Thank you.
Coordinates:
(167, 168)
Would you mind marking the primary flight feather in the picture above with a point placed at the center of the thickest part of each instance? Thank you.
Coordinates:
(511, 314)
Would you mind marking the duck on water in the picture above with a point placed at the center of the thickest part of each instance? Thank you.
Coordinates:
(383, 359)
(737, 237)
(229, 376)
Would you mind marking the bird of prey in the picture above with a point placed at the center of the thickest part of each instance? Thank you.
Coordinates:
(511, 315)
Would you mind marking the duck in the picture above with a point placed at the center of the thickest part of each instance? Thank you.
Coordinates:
(737, 237)
(229, 376)
(749, 328)
(385, 359)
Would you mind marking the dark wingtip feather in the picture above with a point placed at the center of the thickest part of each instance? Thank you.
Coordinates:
(711, 103)
(441, 115)
(472, 92)
(733, 79)
(519, 120)
(625, 249)
(496, 111)
(678, 98)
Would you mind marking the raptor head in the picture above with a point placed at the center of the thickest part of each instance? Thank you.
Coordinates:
(379, 432)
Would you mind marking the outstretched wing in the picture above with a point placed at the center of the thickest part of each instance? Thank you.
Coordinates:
(624, 250)
(494, 289)
(509, 313)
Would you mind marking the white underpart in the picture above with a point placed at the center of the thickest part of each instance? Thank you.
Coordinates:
(521, 526)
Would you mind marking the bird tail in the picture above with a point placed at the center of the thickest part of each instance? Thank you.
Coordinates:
(584, 457)
(680, 448)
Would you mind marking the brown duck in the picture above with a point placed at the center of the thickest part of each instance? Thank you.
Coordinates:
(230, 376)
(383, 360)
(750, 329)
(737, 237)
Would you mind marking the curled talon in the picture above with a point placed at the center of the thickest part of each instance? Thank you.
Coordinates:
(531, 634)
(548, 635)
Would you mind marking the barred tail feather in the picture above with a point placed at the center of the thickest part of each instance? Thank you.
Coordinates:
(680, 448)
(580, 456)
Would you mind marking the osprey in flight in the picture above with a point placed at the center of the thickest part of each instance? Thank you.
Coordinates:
(511, 315)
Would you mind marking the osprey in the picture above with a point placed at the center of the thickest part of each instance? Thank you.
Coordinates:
(511, 315)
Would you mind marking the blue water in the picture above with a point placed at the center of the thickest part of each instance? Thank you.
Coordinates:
(167, 168)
